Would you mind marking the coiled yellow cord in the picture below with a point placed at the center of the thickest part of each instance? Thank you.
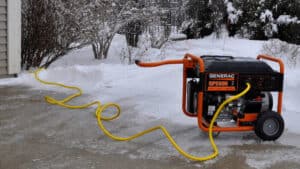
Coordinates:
(103, 107)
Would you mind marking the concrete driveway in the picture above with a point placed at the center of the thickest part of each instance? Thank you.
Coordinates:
(36, 135)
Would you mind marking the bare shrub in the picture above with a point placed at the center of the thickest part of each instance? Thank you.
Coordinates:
(47, 33)
(130, 54)
(104, 19)
(290, 53)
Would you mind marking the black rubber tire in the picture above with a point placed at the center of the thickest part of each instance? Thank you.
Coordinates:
(271, 121)
(191, 89)
(256, 129)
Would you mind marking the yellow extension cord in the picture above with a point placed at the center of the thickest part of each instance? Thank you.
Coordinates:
(101, 108)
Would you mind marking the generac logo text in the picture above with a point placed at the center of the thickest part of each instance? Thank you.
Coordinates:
(221, 75)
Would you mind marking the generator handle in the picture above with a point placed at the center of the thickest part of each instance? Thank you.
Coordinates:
(196, 59)
(274, 59)
(160, 63)
(188, 57)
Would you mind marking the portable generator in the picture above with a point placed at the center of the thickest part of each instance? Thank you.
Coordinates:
(209, 80)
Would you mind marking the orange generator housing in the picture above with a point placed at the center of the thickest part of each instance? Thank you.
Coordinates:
(209, 80)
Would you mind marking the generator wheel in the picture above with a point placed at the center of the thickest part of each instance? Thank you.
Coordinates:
(191, 90)
(269, 126)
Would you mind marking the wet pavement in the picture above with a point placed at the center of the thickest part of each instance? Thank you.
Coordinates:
(36, 135)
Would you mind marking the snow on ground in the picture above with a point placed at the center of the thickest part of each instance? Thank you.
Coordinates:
(155, 92)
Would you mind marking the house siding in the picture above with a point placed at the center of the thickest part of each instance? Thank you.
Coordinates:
(14, 36)
(3, 38)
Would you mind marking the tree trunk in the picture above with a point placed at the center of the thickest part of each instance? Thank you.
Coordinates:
(105, 51)
(107, 46)
(132, 39)
(100, 49)
(97, 50)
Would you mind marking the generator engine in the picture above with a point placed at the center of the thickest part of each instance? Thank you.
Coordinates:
(257, 102)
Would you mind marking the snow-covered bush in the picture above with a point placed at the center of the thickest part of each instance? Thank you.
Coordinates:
(289, 28)
(290, 53)
(232, 12)
(287, 19)
(200, 19)
(264, 19)
(267, 19)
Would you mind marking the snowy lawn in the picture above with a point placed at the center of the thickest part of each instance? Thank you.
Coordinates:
(156, 92)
